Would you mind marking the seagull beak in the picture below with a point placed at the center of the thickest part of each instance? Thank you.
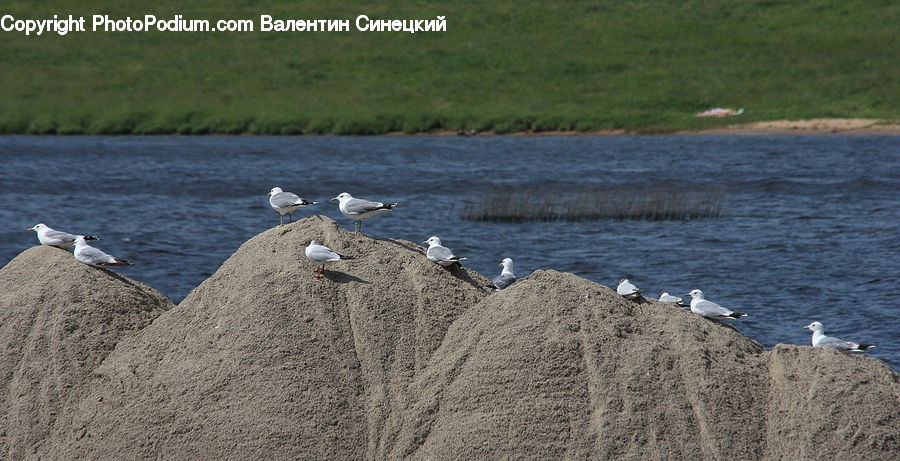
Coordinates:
(806, 327)
(425, 241)
(29, 229)
(333, 199)
(501, 264)
(686, 294)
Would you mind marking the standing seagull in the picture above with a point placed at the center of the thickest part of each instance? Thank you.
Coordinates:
(322, 255)
(820, 340)
(94, 257)
(55, 238)
(710, 309)
(286, 203)
(665, 297)
(506, 277)
(629, 291)
(359, 210)
(440, 254)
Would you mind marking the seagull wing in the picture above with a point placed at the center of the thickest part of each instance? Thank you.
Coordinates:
(710, 309)
(441, 253)
(503, 280)
(91, 255)
(321, 253)
(357, 206)
(285, 199)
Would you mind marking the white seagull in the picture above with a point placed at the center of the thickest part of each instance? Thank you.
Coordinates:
(506, 277)
(359, 210)
(94, 257)
(628, 290)
(440, 254)
(820, 340)
(322, 256)
(710, 309)
(55, 238)
(665, 297)
(286, 203)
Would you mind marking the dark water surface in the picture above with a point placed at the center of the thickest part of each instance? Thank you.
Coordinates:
(810, 230)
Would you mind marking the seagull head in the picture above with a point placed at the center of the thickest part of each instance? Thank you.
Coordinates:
(37, 227)
(433, 240)
(275, 190)
(343, 196)
(663, 293)
(80, 240)
(622, 281)
(507, 263)
(815, 326)
(697, 294)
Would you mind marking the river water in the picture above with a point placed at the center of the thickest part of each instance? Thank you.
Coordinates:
(809, 231)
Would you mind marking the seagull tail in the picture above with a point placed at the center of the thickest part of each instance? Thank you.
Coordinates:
(91, 237)
(737, 315)
(863, 347)
(682, 304)
(389, 206)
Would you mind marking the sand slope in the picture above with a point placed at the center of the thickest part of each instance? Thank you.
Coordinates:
(262, 360)
(394, 357)
(558, 367)
(58, 320)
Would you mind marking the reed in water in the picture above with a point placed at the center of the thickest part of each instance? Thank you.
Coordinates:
(641, 201)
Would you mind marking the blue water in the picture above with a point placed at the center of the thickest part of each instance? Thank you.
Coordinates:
(810, 231)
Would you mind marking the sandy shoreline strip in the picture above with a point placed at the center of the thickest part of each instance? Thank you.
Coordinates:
(812, 126)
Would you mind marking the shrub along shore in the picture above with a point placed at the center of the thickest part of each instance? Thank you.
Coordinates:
(502, 67)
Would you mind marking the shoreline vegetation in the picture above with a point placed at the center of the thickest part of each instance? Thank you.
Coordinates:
(858, 126)
(600, 67)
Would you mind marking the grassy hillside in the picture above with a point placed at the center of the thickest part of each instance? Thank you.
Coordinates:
(505, 66)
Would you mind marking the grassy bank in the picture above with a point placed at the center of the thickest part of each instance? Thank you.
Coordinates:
(643, 66)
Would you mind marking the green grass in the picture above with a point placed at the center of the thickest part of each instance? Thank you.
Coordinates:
(506, 66)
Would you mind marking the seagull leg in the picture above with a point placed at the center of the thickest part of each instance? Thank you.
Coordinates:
(358, 227)
(281, 220)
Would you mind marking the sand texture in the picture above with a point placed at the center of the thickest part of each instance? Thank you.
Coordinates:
(394, 357)
(59, 319)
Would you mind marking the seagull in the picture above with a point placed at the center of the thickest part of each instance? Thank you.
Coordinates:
(665, 297)
(94, 257)
(629, 291)
(286, 203)
(359, 210)
(820, 340)
(55, 238)
(322, 255)
(440, 254)
(710, 309)
(506, 277)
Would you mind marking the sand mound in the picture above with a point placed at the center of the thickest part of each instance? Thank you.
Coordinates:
(558, 367)
(264, 361)
(827, 405)
(58, 320)
(394, 357)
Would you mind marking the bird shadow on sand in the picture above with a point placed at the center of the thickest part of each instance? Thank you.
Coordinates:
(341, 277)
(759, 346)
(116, 276)
(459, 272)
(402, 244)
